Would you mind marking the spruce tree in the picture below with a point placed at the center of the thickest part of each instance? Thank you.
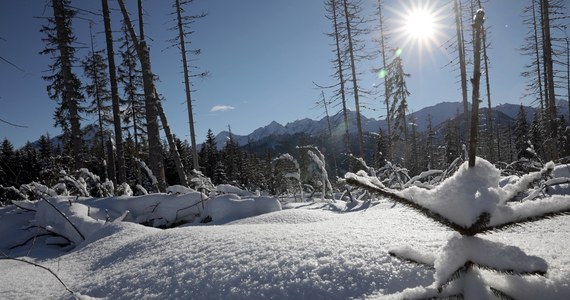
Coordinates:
(133, 100)
(521, 132)
(537, 134)
(451, 140)
(382, 39)
(8, 164)
(64, 86)
(209, 155)
(398, 91)
(97, 89)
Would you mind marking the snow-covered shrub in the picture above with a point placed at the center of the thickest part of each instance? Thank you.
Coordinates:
(393, 176)
(85, 184)
(295, 174)
(426, 179)
(152, 181)
(10, 193)
(124, 189)
(472, 202)
(37, 191)
(520, 167)
(319, 159)
(200, 182)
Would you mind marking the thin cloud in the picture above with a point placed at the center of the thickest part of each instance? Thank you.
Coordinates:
(218, 108)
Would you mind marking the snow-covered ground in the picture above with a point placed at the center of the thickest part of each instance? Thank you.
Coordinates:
(305, 251)
(255, 247)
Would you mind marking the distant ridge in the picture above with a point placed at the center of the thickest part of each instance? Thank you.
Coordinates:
(439, 113)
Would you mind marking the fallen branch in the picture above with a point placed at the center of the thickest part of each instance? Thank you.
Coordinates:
(6, 257)
(30, 239)
(66, 218)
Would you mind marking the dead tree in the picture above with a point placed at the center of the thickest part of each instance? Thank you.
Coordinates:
(120, 156)
(478, 20)
(151, 106)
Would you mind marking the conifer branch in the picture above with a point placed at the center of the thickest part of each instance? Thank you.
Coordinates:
(408, 259)
(481, 223)
(521, 222)
(508, 271)
(500, 294)
(456, 275)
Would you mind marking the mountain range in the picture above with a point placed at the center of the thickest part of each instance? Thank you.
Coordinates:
(439, 114)
(276, 133)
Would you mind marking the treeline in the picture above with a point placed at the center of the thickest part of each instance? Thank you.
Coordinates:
(47, 163)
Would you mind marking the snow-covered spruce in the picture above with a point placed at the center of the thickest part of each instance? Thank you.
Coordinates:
(473, 202)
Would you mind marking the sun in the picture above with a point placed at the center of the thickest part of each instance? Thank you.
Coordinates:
(420, 23)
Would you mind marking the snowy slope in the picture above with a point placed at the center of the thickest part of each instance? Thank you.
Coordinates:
(307, 251)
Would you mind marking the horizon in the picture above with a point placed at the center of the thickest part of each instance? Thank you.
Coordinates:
(225, 131)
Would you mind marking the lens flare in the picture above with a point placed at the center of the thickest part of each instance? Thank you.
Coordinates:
(419, 26)
(420, 23)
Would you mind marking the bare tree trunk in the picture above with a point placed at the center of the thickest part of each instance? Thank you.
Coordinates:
(538, 70)
(330, 132)
(354, 80)
(122, 174)
(151, 106)
(341, 77)
(187, 87)
(69, 94)
(462, 64)
(543, 114)
(568, 75)
(549, 77)
(172, 145)
(489, 130)
(479, 18)
(386, 91)
(141, 20)
(110, 159)
(489, 110)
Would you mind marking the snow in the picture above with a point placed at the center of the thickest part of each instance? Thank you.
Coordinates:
(463, 197)
(561, 171)
(407, 252)
(256, 247)
(230, 189)
(460, 250)
(339, 255)
(526, 209)
(230, 207)
(179, 189)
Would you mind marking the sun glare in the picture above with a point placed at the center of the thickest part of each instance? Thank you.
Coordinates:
(420, 24)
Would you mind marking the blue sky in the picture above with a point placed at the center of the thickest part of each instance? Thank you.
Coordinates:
(262, 57)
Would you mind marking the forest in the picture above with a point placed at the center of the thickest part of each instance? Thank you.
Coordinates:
(125, 204)
(128, 116)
